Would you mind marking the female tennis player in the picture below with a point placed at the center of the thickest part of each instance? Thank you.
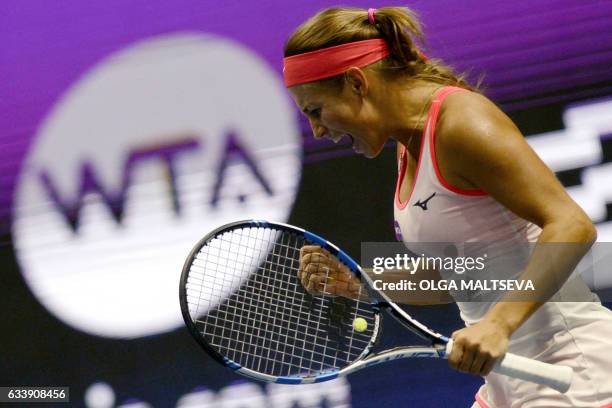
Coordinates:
(466, 174)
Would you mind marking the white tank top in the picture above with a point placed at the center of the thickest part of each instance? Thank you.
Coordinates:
(437, 212)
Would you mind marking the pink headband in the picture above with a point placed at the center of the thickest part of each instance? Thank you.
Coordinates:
(332, 61)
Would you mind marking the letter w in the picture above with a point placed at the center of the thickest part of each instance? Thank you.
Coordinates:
(115, 201)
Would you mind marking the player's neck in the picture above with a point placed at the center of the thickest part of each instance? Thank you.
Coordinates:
(407, 112)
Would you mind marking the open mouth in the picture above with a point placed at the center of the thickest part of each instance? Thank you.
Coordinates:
(354, 143)
(342, 140)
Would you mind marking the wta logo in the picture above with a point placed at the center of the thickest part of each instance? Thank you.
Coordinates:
(151, 149)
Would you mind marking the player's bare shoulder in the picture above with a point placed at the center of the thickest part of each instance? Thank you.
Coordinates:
(468, 115)
(469, 123)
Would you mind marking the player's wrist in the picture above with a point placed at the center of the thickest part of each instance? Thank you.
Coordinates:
(504, 322)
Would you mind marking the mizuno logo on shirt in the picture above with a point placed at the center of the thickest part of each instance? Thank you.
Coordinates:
(423, 204)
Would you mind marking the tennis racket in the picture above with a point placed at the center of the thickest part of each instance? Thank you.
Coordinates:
(242, 301)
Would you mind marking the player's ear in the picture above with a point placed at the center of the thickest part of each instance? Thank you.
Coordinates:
(357, 81)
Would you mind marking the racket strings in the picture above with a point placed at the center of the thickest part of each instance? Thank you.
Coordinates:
(331, 318)
(247, 302)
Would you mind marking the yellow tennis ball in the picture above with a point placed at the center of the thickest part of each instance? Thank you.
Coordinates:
(360, 324)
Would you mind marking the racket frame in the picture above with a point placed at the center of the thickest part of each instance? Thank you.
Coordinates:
(557, 377)
(315, 239)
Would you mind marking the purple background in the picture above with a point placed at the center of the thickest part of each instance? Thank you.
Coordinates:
(536, 56)
(532, 53)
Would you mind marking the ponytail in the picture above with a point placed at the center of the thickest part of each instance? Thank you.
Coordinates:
(398, 26)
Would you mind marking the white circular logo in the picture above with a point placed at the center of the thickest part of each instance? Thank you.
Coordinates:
(150, 150)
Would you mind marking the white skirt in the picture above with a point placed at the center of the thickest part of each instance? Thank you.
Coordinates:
(576, 334)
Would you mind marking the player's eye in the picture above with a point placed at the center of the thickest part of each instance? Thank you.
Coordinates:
(315, 113)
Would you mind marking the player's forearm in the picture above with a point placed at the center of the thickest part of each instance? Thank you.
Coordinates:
(559, 249)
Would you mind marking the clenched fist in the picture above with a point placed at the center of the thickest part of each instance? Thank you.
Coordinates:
(321, 273)
(477, 348)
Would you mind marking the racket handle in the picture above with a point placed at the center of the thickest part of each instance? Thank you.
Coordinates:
(557, 377)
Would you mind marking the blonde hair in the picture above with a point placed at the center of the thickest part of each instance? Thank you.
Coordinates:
(398, 26)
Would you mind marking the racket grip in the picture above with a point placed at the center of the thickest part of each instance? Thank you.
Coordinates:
(557, 377)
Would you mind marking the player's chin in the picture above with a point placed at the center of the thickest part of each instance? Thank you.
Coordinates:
(372, 153)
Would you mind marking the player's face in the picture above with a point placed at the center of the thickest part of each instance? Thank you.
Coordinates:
(335, 114)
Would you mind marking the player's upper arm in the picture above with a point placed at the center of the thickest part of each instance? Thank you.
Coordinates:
(481, 145)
